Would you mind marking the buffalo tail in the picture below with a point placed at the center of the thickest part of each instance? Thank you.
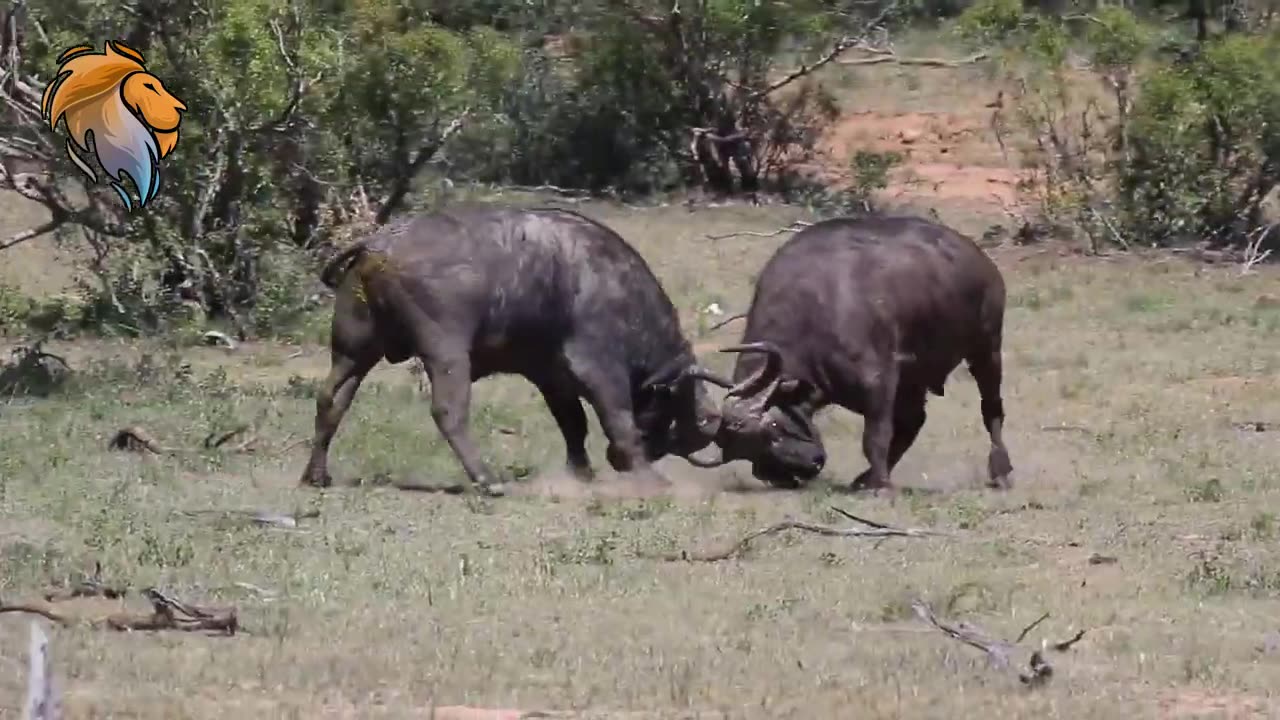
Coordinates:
(333, 270)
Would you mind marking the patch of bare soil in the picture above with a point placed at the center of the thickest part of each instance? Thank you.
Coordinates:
(686, 483)
(946, 156)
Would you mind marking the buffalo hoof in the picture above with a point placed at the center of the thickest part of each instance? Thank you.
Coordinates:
(999, 469)
(581, 473)
(864, 484)
(317, 479)
(496, 489)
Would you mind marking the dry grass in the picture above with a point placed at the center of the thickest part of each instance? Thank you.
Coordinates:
(388, 601)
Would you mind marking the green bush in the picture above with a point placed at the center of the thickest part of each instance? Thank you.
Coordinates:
(1205, 142)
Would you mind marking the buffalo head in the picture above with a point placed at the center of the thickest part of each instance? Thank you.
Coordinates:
(762, 422)
(673, 411)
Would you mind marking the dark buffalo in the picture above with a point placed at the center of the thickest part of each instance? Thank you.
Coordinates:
(870, 314)
(547, 294)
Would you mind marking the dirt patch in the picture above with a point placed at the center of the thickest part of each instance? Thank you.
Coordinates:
(687, 483)
(946, 156)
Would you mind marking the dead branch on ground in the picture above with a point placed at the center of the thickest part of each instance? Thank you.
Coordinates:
(872, 529)
(167, 613)
(793, 227)
(136, 439)
(288, 521)
(998, 651)
(217, 440)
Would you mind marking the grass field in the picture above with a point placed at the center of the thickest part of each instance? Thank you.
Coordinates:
(1141, 513)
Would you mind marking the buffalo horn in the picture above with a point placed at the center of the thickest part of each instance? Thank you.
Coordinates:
(764, 377)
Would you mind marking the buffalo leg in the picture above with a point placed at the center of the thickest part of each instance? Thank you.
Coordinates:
(878, 431)
(986, 371)
(334, 399)
(566, 408)
(908, 418)
(450, 377)
(609, 395)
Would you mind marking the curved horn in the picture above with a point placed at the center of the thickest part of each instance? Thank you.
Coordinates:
(700, 373)
(667, 372)
(765, 376)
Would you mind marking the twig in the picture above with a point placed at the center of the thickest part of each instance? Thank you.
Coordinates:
(874, 530)
(841, 46)
(299, 84)
(1252, 256)
(216, 440)
(793, 227)
(1026, 630)
(997, 650)
(726, 321)
(135, 439)
(287, 521)
(404, 179)
(884, 57)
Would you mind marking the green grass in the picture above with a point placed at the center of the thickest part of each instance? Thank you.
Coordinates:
(390, 600)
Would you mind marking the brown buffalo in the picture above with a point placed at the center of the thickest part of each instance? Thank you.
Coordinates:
(547, 294)
(870, 314)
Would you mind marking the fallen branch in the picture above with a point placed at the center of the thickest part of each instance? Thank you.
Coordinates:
(998, 651)
(872, 530)
(135, 439)
(217, 440)
(167, 613)
(288, 521)
(793, 227)
(213, 337)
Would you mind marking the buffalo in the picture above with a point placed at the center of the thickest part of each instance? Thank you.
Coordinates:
(547, 294)
(870, 314)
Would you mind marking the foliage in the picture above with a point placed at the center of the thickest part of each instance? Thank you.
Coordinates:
(1182, 148)
(307, 118)
(1210, 132)
(870, 173)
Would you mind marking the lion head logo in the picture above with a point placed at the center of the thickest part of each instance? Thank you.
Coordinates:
(132, 119)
